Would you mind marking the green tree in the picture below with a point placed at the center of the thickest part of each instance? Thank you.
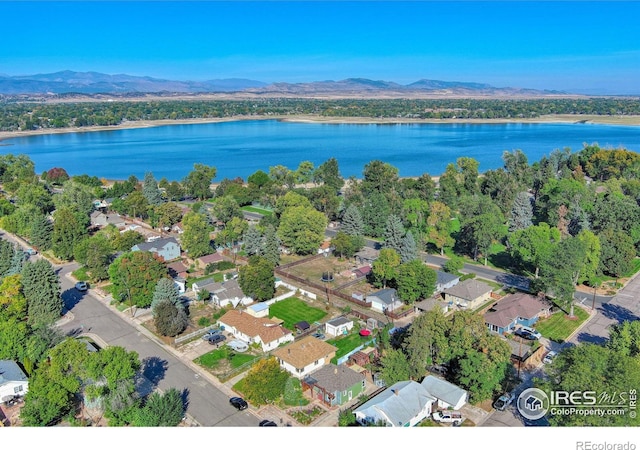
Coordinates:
(394, 233)
(169, 319)
(135, 205)
(198, 182)
(346, 245)
(166, 290)
(408, 248)
(395, 367)
(75, 196)
(589, 270)
(534, 245)
(41, 233)
(256, 279)
(36, 195)
(414, 280)
(478, 233)
(328, 173)
(379, 176)
(271, 248)
(67, 232)
(438, 223)
(195, 238)
(41, 288)
(617, 252)
(95, 254)
(161, 410)
(624, 338)
(304, 172)
(134, 276)
(151, 191)
(450, 186)
(253, 241)
(168, 214)
(302, 229)
(521, 212)
(226, 208)
(265, 382)
(124, 241)
(384, 268)
(428, 342)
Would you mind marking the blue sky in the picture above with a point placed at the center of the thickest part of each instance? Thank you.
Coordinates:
(590, 47)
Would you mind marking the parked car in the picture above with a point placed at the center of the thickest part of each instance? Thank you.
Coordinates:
(549, 357)
(268, 423)
(525, 335)
(216, 339)
(82, 286)
(503, 401)
(448, 417)
(210, 333)
(238, 403)
(238, 345)
(318, 335)
(30, 251)
(533, 331)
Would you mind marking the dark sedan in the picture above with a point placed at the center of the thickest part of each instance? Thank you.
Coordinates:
(238, 403)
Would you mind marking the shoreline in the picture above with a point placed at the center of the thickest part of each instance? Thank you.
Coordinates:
(590, 119)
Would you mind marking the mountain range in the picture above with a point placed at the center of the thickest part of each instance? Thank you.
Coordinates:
(92, 83)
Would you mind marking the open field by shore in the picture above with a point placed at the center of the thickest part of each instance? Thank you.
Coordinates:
(566, 118)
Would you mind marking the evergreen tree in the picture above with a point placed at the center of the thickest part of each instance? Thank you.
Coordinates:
(166, 290)
(6, 254)
(161, 410)
(151, 191)
(253, 242)
(41, 288)
(41, 233)
(67, 232)
(408, 248)
(17, 262)
(271, 247)
(521, 212)
(352, 223)
(169, 319)
(394, 234)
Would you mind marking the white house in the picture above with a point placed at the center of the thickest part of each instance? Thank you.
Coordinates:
(404, 404)
(13, 381)
(384, 300)
(338, 326)
(259, 330)
(448, 395)
(259, 309)
(304, 356)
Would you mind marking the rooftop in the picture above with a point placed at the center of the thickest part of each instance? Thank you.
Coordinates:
(305, 351)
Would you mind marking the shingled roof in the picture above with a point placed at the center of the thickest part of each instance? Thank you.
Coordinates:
(305, 351)
(251, 326)
(515, 305)
(469, 289)
(334, 378)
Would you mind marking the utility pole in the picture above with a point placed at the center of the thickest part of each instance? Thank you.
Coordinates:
(593, 302)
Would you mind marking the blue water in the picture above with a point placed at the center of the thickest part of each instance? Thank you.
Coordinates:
(241, 148)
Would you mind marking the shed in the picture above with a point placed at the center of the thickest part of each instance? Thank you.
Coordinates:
(302, 326)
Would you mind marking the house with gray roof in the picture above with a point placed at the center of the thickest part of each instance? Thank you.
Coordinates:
(167, 248)
(384, 300)
(334, 385)
(468, 294)
(100, 219)
(516, 309)
(445, 280)
(223, 294)
(13, 381)
(447, 394)
(404, 404)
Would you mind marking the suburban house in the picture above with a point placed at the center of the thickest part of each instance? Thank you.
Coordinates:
(259, 330)
(361, 272)
(304, 356)
(445, 280)
(468, 294)
(205, 260)
(447, 394)
(167, 248)
(207, 284)
(430, 303)
(339, 325)
(227, 293)
(367, 255)
(100, 219)
(334, 385)
(260, 309)
(384, 300)
(177, 269)
(13, 381)
(516, 309)
(404, 404)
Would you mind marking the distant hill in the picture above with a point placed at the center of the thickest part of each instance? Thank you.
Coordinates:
(92, 83)
(99, 83)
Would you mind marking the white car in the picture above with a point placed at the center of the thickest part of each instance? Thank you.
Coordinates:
(447, 417)
(82, 286)
(534, 332)
(238, 345)
(549, 357)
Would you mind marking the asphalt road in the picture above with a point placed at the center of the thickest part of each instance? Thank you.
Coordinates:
(161, 369)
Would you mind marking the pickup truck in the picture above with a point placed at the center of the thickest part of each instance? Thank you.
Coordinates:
(447, 417)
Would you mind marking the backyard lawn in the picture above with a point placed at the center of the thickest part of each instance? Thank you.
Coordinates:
(558, 327)
(212, 359)
(347, 343)
(293, 310)
(255, 209)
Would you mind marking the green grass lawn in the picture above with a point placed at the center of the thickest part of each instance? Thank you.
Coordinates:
(558, 327)
(293, 310)
(81, 274)
(347, 343)
(264, 212)
(213, 358)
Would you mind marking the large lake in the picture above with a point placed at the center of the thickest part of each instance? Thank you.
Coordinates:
(243, 147)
